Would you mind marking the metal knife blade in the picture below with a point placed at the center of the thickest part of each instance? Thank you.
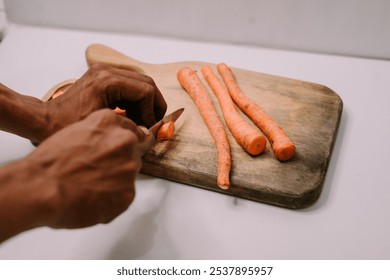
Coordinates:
(171, 117)
(151, 139)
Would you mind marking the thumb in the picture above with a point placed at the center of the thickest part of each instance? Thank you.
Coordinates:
(147, 142)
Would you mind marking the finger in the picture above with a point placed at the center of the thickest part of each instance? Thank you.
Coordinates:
(159, 104)
(144, 130)
(128, 93)
(106, 118)
(140, 131)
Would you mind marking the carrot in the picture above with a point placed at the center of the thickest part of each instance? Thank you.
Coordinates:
(57, 93)
(283, 147)
(190, 81)
(166, 131)
(248, 137)
(61, 90)
(120, 112)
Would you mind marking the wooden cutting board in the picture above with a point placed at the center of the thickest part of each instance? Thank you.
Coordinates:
(309, 113)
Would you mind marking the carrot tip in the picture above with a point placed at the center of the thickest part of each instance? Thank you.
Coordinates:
(223, 186)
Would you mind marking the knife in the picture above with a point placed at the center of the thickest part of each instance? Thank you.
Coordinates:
(151, 139)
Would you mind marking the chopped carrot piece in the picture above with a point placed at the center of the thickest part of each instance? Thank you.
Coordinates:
(57, 93)
(190, 81)
(283, 147)
(166, 131)
(61, 90)
(120, 112)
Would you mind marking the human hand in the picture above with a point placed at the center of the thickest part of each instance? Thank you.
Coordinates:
(88, 170)
(103, 86)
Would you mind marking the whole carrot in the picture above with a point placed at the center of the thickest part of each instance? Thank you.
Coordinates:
(248, 137)
(282, 146)
(190, 81)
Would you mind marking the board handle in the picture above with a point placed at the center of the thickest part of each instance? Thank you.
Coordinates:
(97, 53)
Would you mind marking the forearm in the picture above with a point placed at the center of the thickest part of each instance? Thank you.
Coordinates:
(23, 204)
(22, 115)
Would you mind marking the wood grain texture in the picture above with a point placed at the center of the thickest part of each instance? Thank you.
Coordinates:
(309, 113)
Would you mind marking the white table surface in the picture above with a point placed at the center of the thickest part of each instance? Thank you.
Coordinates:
(167, 220)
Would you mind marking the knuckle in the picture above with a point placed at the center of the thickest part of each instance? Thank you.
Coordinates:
(100, 73)
(148, 90)
(97, 67)
(103, 115)
(149, 80)
(103, 75)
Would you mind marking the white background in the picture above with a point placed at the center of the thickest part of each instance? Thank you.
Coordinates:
(348, 27)
(174, 221)
(2, 18)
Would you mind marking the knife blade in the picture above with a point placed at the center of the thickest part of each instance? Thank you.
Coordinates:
(151, 139)
(171, 117)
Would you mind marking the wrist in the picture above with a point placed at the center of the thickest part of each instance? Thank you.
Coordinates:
(26, 202)
(23, 115)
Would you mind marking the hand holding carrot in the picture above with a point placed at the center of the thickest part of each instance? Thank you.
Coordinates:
(104, 86)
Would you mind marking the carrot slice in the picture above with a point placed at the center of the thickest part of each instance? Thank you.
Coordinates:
(120, 112)
(166, 131)
(248, 137)
(283, 147)
(57, 93)
(190, 81)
